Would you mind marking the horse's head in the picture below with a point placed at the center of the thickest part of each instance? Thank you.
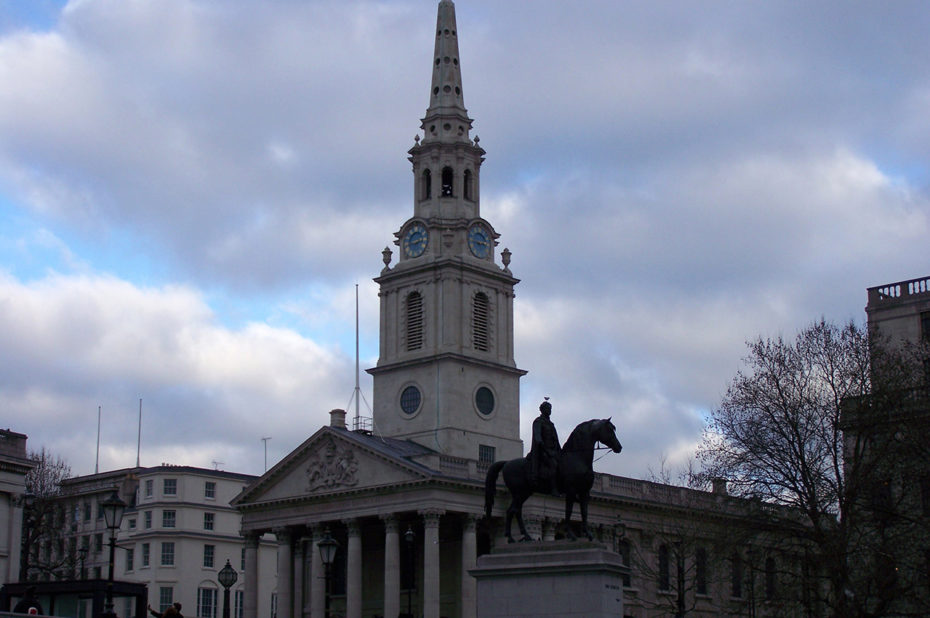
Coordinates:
(606, 434)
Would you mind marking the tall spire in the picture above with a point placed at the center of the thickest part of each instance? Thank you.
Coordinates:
(446, 118)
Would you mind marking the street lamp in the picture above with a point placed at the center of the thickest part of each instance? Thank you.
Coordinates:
(227, 577)
(328, 548)
(82, 554)
(28, 502)
(409, 537)
(113, 509)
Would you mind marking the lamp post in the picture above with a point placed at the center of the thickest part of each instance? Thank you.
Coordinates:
(409, 537)
(328, 548)
(28, 502)
(113, 509)
(82, 554)
(227, 577)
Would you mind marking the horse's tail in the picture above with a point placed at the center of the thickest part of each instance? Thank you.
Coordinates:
(490, 486)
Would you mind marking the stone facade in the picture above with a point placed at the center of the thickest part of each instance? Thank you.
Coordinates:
(14, 465)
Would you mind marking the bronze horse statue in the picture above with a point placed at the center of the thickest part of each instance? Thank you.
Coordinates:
(575, 476)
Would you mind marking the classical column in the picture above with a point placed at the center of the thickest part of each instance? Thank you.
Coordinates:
(391, 566)
(469, 558)
(250, 596)
(285, 573)
(431, 562)
(300, 564)
(317, 576)
(353, 570)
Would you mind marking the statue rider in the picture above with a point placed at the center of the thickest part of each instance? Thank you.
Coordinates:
(543, 458)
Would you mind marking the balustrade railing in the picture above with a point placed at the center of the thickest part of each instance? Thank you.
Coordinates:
(902, 290)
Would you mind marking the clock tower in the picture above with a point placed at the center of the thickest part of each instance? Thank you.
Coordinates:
(446, 376)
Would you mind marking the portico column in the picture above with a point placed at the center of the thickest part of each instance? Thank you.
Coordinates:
(391, 566)
(300, 567)
(317, 576)
(285, 573)
(353, 570)
(469, 558)
(431, 562)
(250, 596)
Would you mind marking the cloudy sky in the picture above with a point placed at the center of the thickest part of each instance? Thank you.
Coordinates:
(191, 189)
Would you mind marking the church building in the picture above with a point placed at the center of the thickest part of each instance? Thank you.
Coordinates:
(404, 498)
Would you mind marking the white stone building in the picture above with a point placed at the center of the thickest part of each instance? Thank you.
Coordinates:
(176, 535)
(14, 466)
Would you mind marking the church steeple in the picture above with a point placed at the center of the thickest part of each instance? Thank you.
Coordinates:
(446, 375)
(446, 119)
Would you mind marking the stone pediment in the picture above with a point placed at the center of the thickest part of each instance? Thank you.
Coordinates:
(331, 461)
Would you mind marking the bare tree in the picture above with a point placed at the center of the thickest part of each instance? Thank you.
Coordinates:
(782, 436)
(45, 551)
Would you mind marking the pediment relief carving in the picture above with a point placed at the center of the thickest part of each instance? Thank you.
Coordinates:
(332, 466)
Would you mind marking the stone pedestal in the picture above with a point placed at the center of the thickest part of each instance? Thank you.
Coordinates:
(556, 578)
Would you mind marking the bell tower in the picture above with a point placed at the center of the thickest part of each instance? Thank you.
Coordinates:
(446, 376)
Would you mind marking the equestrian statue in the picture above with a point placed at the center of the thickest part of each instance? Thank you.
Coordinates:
(549, 469)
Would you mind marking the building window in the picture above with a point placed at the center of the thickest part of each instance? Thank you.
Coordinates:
(149, 488)
(414, 321)
(168, 518)
(165, 597)
(208, 521)
(237, 610)
(209, 490)
(771, 588)
(97, 573)
(736, 575)
(410, 400)
(484, 400)
(427, 184)
(447, 176)
(147, 518)
(663, 568)
(129, 558)
(623, 548)
(132, 523)
(146, 554)
(700, 571)
(486, 454)
(98, 541)
(169, 487)
(242, 559)
(99, 511)
(206, 603)
(208, 552)
(167, 553)
(87, 511)
(468, 188)
(479, 322)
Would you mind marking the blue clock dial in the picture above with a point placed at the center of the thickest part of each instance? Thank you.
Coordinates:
(479, 241)
(415, 240)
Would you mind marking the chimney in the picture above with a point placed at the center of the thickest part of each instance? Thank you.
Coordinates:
(719, 486)
(337, 418)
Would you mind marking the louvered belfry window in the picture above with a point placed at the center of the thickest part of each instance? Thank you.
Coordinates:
(481, 337)
(414, 321)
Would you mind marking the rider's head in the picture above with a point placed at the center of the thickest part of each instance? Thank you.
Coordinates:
(546, 408)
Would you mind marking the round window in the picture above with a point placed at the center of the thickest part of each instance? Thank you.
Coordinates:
(484, 400)
(410, 400)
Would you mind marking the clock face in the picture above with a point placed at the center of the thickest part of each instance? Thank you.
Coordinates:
(479, 241)
(415, 240)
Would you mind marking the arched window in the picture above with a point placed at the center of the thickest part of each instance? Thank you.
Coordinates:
(467, 188)
(736, 575)
(771, 585)
(427, 190)
(447, 176)
(700, 570)
(663, 568)
(479, 322)
(414, 321)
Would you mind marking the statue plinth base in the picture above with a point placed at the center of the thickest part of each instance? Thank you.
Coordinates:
(554, 578)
